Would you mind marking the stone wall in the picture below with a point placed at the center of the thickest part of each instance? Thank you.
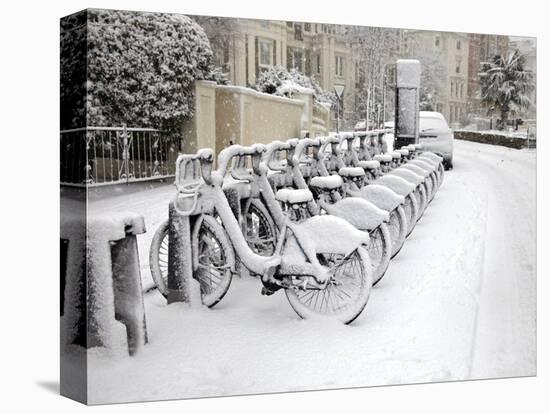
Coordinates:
(227, 115)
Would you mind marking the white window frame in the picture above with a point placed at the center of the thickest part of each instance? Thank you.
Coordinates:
(301, 67)
(269, 44)
(339, 66)
(318, 63)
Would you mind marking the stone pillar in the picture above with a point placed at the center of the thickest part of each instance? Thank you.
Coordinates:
(200, 130)
(307, 115)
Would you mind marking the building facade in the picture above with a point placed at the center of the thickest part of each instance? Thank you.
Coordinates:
(450, 51)
(317, 50)
(528, 47)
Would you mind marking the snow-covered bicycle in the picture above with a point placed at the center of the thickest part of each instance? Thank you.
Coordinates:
(320, 262)
(305, 169)
(340, 156)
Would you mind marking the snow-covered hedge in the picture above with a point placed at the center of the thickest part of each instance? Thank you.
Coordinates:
(277, 80)
(493, 138)
(140, 69)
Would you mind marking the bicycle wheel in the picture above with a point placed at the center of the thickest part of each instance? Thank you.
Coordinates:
(158, 258)
(212, 268)
(379, 251)
(398, 229)
(411, 210)
(214, 259)
(259, 229)
(420, 195)
(346, 293)
(431, 185)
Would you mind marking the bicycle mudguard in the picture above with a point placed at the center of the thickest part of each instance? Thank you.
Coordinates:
(397, 184)
(328, 234)
(381, 196)
(362, 214)
(416, 170)
(408, 175)
(432, 156)
(424, 164)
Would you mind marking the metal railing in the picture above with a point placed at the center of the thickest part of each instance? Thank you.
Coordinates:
(110, 155)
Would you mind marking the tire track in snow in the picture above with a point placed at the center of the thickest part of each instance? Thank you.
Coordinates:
(504, 343)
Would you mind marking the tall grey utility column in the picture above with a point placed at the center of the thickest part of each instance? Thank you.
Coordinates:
(407, 107)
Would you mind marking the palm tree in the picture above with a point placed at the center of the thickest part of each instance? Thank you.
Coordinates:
(506, 84)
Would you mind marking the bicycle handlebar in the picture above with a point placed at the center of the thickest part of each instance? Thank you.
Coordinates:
(225, 156)
(302, 145)
(271, 155)
(202, 156)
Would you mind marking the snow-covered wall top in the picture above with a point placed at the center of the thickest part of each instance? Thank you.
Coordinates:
(248, 91)
(408, 73)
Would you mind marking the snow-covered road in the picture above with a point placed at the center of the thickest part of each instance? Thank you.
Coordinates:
(458, 302)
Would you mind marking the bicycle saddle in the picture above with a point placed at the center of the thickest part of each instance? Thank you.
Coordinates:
(383, 157)
(351, 172)
(329, 182)
(293, 196)
(369, 165)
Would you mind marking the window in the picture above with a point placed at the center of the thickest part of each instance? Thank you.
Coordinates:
(458, 45)
(318, 63)
(452, 88)
(461, 90)
(298, 31)
(437, 41)
(296, 60)
(289, 24)
(266, 53)
(458, 61)
(307, 27)
(340, 66)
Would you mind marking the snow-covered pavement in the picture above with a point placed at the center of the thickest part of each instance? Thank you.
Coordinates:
(458, 302)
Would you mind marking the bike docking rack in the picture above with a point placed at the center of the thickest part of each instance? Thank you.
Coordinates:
(281, 212)
(307, 262)
(101, 290)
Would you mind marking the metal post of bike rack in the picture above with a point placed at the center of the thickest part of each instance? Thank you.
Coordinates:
(180, 254)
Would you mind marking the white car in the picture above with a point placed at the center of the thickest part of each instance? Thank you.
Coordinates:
(436, 136)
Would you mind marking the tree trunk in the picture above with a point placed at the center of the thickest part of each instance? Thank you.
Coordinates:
(504, 112)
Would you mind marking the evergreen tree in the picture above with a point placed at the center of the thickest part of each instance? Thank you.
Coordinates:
(139, 69)
(506, 85)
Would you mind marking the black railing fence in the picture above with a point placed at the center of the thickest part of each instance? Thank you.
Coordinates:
(109, 155)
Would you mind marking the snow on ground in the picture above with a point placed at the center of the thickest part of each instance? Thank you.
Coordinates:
(458, 302)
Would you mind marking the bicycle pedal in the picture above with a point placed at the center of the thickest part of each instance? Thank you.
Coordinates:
(267, 292)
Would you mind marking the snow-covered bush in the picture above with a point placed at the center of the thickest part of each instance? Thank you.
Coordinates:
(277, 80)
(140, 69)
